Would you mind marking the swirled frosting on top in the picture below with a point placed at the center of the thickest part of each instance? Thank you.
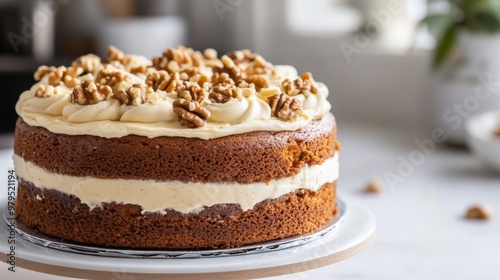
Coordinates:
(181, 93)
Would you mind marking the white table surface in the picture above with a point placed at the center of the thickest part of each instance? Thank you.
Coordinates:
(421, 231)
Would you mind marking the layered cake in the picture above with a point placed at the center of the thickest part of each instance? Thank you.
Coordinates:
(187, 150)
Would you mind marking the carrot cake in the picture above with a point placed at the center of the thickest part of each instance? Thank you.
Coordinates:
(187, 150)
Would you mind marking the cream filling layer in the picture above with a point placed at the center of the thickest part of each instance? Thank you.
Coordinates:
(156, 196)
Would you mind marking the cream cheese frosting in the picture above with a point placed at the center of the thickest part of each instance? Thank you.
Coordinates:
(110, 118)
(155, 196)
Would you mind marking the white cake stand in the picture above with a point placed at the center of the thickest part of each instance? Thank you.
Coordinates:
(357, 231)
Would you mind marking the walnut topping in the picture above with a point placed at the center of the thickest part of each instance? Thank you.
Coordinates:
(222, 93)
(259, 66)
(302, 85)
(250, 62)
(242, 56)
(210, 54)
(191, 92)
(222, 78)
(180, 59)
(284, 107)
(115, 54)
(135, 95)
(211, 59)
(190, 113)
(46, 91)
(139, 69)
(89, 63)
(121, 61)
(69, 76)
(43, 70)
(234, 72)
(117, 80)
(162, 80)
(90, 93)
(479, 212)
(259, 81)
(200, 79)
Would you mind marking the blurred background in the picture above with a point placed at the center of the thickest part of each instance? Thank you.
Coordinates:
(364, 51)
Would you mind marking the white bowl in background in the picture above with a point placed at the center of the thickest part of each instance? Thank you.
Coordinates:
(481, 140)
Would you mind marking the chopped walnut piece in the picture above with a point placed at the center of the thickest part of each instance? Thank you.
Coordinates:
(252, 63)
(43, 70)
(69, 76)
(265, 93)
(259, 66)
(40, 90)
(180, 59)
(89, 63)
(496, 132)
(211, 59)
(479, 212)
(131, 63)
(200, 79)
(229, 67)
(191, 92)
(242, 56)
(90, 93)
(135, 95)
(259, 81)
(117, 80)
(142, 69)
(210, 53)
(222, 78)
(116, 65)
(338, 147)
(374, 186)
(222, 93)
(115, 54)
(46, 91)
(190, 113)
(162, 80)
(302, 85)
(284, 107)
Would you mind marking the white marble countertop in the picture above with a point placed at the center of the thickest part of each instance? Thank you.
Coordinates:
(421, 231)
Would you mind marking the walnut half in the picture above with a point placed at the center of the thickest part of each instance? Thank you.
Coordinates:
(162, 80)
(90, 93)
(135, 95)
(190, 113)
(222, 93)
(302, 85)
(284, 107)
(69, 76)
(479, 212)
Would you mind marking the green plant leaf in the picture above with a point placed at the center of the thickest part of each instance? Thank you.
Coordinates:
(445, 46)
(437, 23)
(481, 15)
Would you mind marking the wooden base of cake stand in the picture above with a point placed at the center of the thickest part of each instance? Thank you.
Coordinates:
(356, 232)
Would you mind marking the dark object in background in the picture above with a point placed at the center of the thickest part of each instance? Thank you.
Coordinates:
(13, 84)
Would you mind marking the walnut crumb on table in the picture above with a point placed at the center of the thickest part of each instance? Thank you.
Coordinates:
(496, 132)
(374, 186)
(479, 212)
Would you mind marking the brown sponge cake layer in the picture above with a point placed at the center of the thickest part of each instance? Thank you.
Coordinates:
(219, 226)
(243, 158)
